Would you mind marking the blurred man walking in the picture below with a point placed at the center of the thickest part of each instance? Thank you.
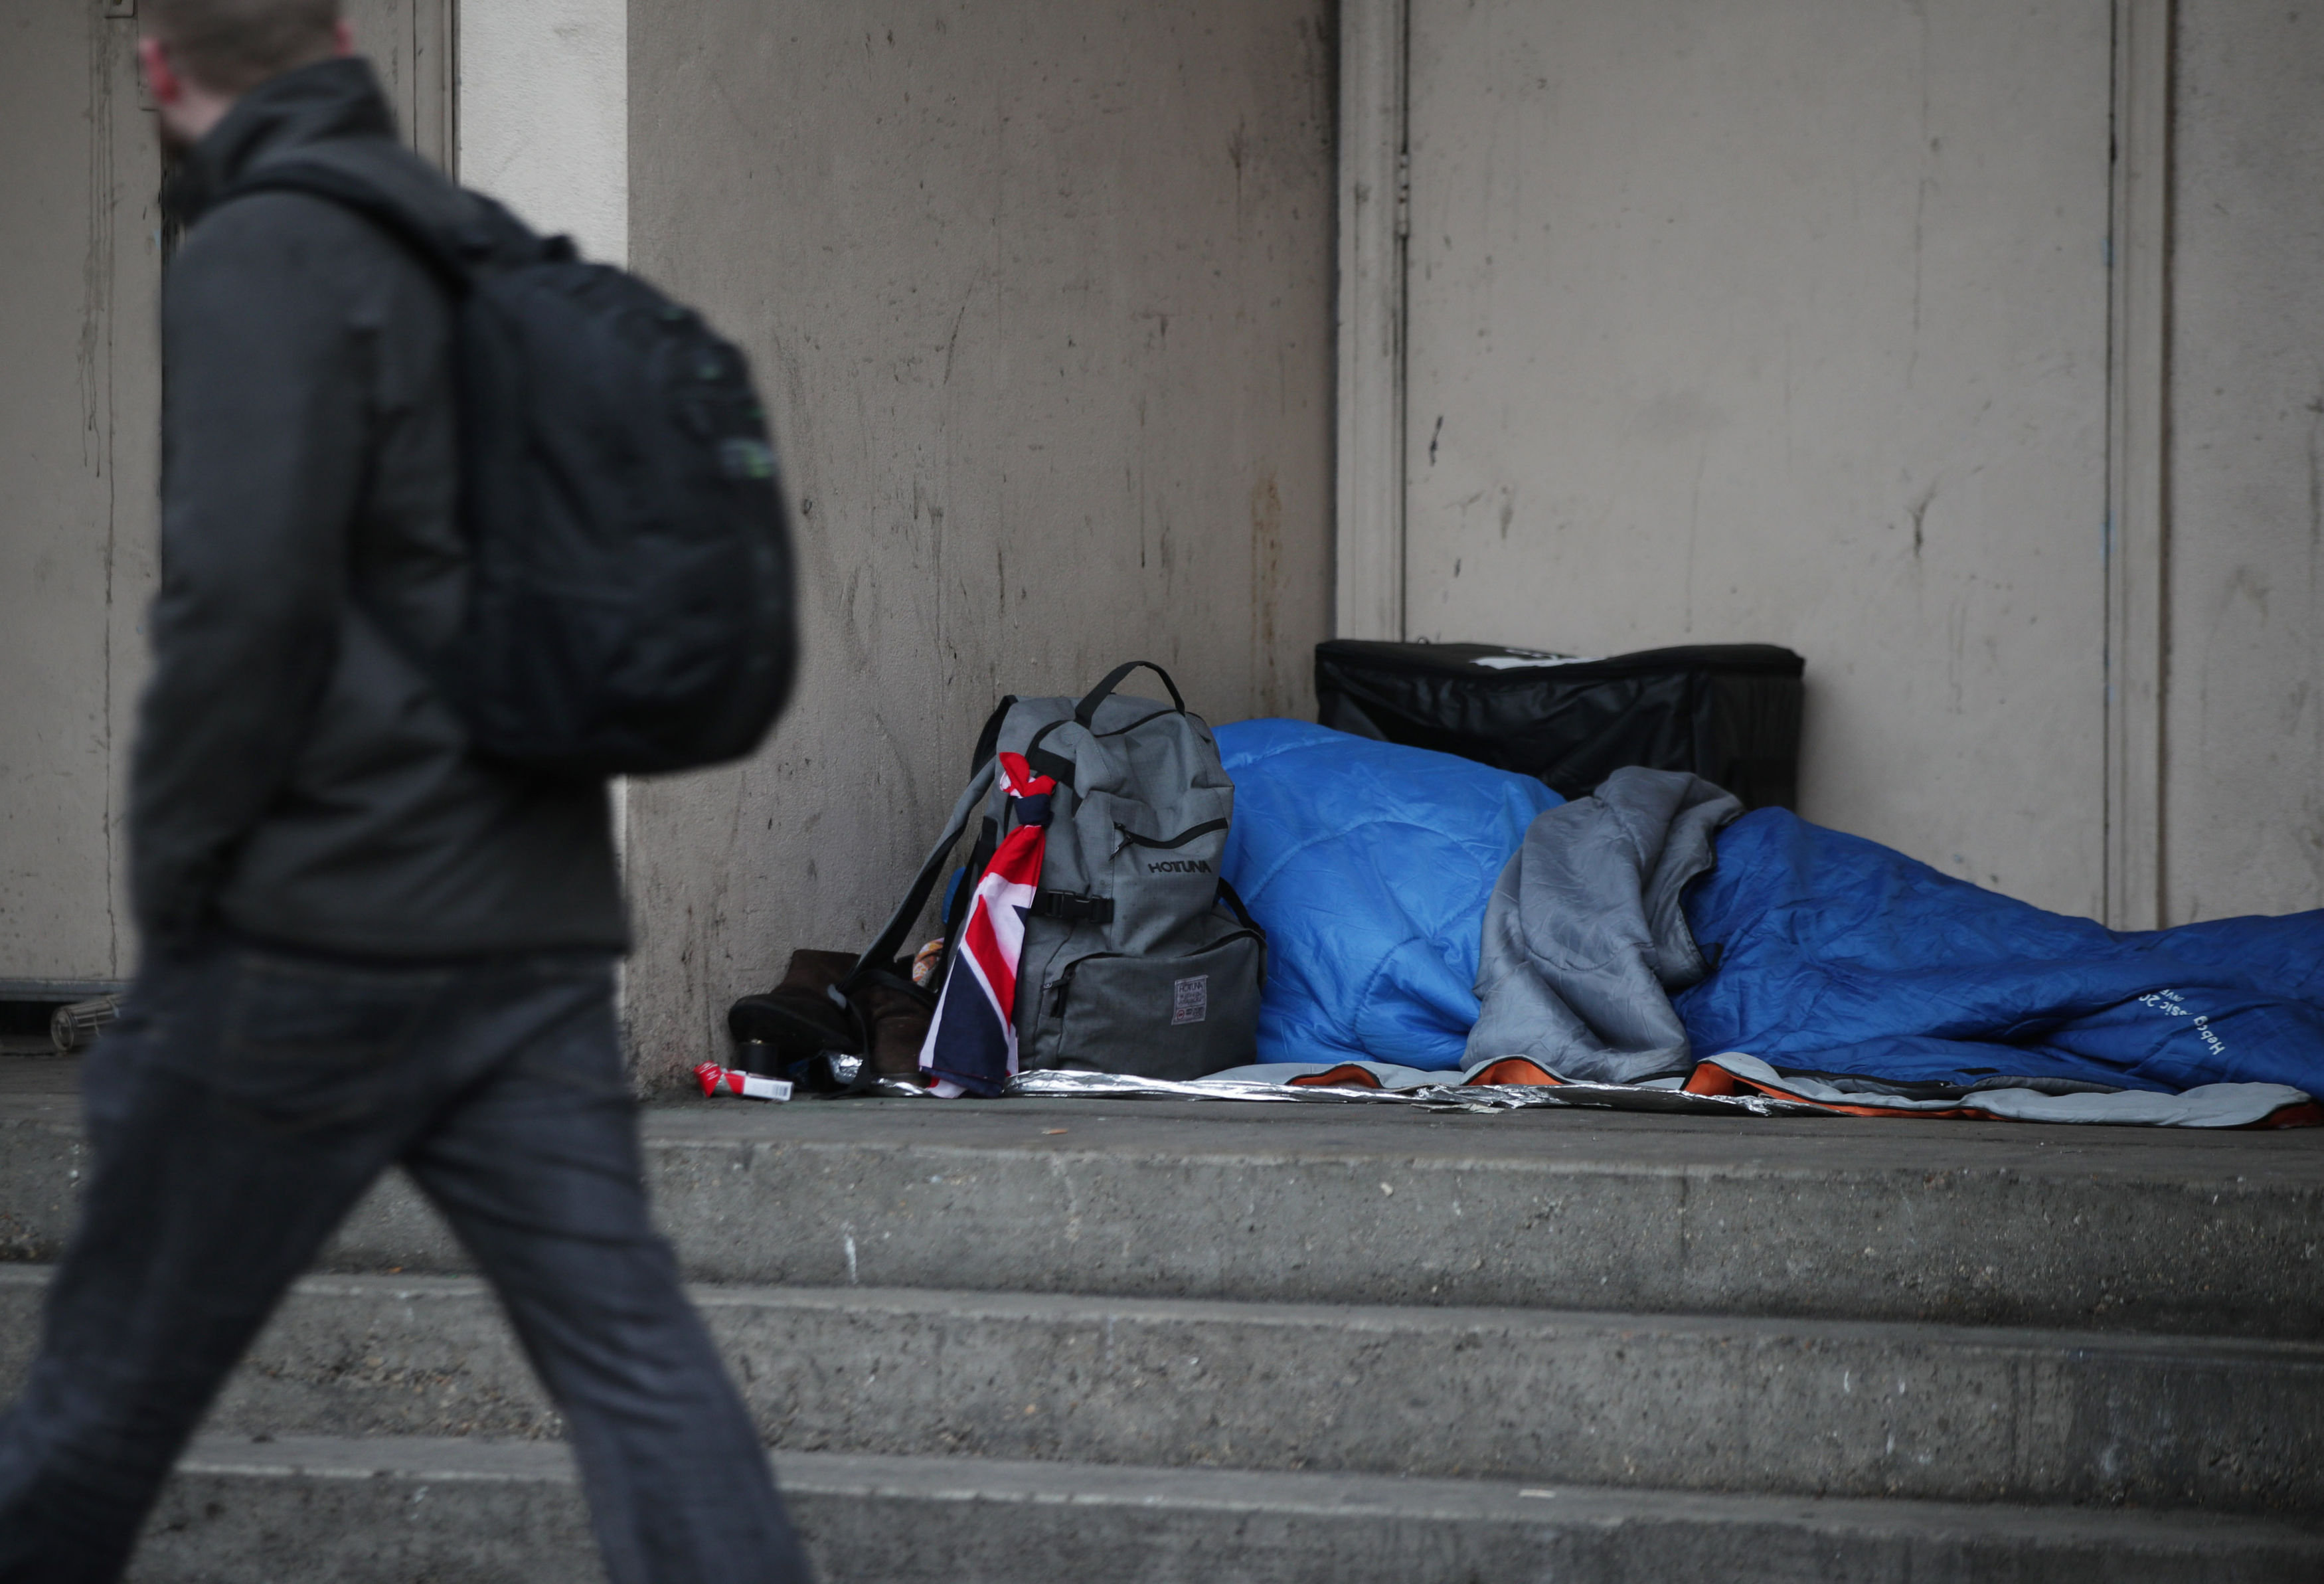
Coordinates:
(363, 945)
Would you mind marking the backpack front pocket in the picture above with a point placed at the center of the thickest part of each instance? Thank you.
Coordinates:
(1161, 866)
(1173, 1018)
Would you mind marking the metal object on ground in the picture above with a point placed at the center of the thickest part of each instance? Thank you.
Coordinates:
(75, 1027)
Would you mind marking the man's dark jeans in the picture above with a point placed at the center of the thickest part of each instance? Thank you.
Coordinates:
(239, 1108)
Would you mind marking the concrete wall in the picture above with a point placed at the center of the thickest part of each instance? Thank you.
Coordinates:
(2244, 806)
(1039, 295)
(1784, 323)
(544, 117)
(78, 396)
(1790, 323)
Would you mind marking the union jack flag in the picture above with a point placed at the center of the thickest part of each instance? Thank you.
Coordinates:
(972, 1044)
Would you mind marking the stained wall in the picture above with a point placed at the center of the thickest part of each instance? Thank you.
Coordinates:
(2244, 796)
(1790, 325)
(78, 454)
(1784, 323)
(1039, 295)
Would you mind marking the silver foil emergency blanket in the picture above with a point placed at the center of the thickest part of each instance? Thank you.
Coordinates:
(1065, 1084)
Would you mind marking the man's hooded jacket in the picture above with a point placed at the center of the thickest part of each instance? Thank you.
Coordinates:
(297, 780)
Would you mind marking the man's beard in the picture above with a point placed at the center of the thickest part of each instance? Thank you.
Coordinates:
(184, 192)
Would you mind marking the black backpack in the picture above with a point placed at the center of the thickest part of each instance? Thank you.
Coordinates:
(631, 607)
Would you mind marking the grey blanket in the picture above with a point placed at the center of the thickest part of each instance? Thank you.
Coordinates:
(1585, 941)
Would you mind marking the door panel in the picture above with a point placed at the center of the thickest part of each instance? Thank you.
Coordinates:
(1787, 323)
(409, 44)
(79, 402)
(76, 448)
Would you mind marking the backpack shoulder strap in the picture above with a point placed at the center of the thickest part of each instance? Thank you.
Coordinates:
(446, 256)
(443, 256)
(1228, 895)
(988, 741)
(891, 943)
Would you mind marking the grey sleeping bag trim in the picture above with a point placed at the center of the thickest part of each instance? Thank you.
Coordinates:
(1585, 940)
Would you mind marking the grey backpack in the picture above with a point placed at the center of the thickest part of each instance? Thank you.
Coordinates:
(1137, 956)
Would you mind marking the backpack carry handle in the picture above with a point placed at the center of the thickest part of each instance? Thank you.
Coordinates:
(1086, 711)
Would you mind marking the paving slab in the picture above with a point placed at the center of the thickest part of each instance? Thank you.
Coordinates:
(38, 1072)
(1803, 1407)
(385, 1512)
(1961, 1222)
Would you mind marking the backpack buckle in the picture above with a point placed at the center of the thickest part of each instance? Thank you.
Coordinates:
(1073, 908)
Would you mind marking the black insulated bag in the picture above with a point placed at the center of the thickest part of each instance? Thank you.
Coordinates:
(1727, 712)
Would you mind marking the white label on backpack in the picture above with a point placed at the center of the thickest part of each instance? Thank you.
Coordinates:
(1190, 1000)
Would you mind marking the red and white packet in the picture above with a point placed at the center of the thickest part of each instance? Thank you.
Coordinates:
(734, 1081)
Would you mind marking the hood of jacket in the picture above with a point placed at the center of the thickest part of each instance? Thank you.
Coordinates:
(326, 101)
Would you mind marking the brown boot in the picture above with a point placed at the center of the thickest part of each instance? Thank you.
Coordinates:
(797, 1018)
(899, 1026)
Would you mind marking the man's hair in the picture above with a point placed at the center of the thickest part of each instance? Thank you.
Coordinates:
(231, 46)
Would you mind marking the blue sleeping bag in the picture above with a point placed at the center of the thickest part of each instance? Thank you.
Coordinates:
(1839, 955)
(1370, 865)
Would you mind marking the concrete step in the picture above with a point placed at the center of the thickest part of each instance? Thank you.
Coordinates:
(1967, 1223)
(454, 1512)
(1797, 1407)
